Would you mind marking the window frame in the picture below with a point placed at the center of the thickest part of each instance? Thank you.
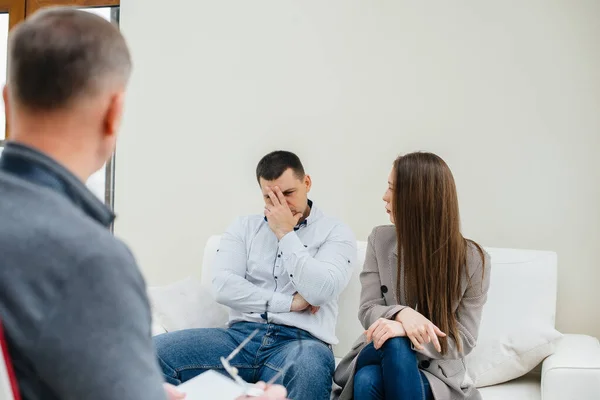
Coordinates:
(34, 5)
(15, 10)
(16, 13)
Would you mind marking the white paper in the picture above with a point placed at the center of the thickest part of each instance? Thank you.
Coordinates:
(211, 385)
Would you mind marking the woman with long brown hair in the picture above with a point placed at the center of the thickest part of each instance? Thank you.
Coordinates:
(423, 290)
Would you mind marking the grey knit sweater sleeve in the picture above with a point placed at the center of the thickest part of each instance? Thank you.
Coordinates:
(99, 329)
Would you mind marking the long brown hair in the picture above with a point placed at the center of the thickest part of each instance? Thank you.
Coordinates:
(430, 244)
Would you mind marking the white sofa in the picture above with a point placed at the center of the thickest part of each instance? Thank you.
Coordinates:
(522, 300)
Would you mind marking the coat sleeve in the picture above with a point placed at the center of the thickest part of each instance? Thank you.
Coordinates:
(372, 303)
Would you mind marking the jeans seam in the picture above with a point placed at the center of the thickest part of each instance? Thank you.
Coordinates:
(172, 369)
(256, 356)
(262, 344)
(268, 365)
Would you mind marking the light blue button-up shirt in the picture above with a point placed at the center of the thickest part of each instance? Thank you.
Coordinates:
(252, 269)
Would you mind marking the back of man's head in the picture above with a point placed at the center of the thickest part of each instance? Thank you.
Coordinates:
(61, 55)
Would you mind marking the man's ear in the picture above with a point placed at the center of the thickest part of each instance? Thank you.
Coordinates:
(307, 182)
(114, 114)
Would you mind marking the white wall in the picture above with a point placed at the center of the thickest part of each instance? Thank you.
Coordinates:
(508, 92)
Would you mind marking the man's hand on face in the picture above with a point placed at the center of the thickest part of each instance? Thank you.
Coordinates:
(281, 219)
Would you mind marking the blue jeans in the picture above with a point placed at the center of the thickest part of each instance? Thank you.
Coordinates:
(391, 372)
(185, 354)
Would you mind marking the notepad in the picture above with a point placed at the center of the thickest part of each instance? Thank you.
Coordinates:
(211, 385)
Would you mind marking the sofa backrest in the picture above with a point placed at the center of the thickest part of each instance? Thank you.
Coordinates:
(522, 292)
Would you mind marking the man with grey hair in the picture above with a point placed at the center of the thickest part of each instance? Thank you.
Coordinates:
(72, 300)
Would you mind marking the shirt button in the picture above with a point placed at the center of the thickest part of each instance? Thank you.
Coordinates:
(291, 276)
(278, 255)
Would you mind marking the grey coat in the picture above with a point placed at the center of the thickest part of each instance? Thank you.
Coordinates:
(446, 373)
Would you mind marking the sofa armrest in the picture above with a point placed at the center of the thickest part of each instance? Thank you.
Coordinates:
(573, 371)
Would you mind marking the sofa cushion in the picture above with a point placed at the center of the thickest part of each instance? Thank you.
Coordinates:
(510, 355)
(522, 292)
(517, 327)
(524, 388)
(184, 305)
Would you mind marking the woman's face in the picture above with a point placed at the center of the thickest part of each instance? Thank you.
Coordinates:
(388, 197)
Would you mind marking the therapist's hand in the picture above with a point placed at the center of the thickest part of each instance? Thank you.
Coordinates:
(273, 392)
(172, 392)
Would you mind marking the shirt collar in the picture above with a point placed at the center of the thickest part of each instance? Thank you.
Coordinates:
(35, 167)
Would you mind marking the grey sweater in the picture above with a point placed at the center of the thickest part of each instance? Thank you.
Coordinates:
(72, 300)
